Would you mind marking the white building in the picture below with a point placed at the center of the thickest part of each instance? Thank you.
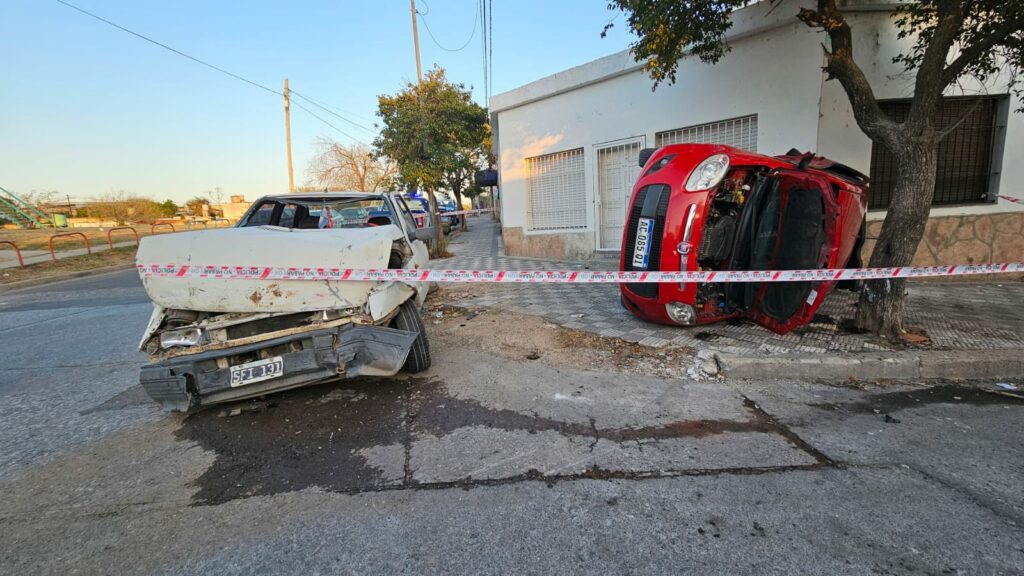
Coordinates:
(568, 143)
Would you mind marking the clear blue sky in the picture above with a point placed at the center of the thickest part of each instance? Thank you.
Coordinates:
(88, 109)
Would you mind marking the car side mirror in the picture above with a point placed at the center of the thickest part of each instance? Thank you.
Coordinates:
(645, 155)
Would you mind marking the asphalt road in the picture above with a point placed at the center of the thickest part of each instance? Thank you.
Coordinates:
(485, 465)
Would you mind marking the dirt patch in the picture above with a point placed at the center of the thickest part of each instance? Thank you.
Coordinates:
(69, 265)
(527, 337)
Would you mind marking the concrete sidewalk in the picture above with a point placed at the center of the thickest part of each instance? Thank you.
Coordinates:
(957, 317)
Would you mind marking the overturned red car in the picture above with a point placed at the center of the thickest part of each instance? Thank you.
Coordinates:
(715, 207)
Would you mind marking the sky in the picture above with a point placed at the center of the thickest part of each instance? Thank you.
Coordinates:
(87, 109)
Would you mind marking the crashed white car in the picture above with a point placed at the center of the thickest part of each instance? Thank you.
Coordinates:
(212, 339)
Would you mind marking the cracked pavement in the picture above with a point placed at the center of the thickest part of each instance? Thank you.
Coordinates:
(488, 463)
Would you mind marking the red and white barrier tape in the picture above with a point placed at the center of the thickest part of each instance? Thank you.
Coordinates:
(1012, 199)
(565, 276)
(474, 211)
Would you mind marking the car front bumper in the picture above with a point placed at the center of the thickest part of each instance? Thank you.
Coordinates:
(204, 378)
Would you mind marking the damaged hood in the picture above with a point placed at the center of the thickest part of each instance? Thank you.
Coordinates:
(266, 246)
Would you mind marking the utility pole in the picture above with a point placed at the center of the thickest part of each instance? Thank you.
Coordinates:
(435, 219)
(288, 136)
(416, 41)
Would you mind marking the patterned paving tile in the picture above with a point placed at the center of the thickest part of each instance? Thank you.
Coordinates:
(955, 316)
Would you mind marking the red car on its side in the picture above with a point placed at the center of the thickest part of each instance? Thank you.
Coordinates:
(715, 207)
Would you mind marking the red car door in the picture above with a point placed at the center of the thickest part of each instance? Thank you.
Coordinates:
(796, 227)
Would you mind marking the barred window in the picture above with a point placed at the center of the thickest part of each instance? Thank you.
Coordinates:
(556, 191)
(739, 132)
(965, 167)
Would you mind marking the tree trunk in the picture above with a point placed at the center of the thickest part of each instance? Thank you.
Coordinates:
(439, 247)
(458, 207)
(881, 306)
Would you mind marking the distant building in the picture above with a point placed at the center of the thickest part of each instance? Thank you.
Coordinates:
(233, 210)
(568, 143)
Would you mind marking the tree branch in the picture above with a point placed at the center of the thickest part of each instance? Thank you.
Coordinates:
(841, 66)
(928, 84)
(978, 49)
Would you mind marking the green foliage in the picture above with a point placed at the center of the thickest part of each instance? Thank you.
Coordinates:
(431, 130)
(122, 207)
(668, 29)
(168, 208)
(989, 33)
(988, 39)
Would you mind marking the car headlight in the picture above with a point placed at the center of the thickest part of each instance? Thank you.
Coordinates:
(191, 336)
(708, 173)
(681, 313)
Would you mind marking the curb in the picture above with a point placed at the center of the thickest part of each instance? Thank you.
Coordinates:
(1005, 364)
(63, 277)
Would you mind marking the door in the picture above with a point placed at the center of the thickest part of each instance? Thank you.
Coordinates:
(617, 171)
(793, 228)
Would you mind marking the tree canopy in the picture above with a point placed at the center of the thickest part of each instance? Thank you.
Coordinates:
(430, 130)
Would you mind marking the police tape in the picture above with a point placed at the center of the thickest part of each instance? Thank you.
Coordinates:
(565, 276)
(465, 212)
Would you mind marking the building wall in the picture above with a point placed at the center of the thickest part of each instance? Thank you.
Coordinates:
(839, 137)
(785, 97)
(773, 71)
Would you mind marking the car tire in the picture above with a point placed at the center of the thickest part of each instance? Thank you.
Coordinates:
(408, 319)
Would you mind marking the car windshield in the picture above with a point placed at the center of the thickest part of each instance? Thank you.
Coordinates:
(321, 213)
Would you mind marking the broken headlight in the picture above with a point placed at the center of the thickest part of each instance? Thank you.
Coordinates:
(681, 313)
(190, 336)
(708, 173)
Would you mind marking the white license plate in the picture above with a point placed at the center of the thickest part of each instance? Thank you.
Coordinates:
(257, 371)
(642, 249)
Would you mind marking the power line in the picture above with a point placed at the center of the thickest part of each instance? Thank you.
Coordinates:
(219, 69)
(313, 114)
(166, 47)
(472, 33)
(490, 50)
(482, 8)
(331, 112)
(362, 117)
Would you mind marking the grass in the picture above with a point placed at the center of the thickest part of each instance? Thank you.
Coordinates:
(70, 265)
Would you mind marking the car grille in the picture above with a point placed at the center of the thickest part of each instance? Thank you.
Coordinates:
(651, 202)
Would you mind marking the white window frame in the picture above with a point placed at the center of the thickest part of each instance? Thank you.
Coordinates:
(572, 184)
(737, 132)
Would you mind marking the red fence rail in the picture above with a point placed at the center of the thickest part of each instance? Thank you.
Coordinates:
(17, 251)
(153, 227)
(111, 242)
(88, 248)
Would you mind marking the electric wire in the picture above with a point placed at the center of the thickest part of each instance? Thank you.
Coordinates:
(222, 71)
(472, 33)
(490, 50)
(331, 112)
(166, 47)
(314, 115)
